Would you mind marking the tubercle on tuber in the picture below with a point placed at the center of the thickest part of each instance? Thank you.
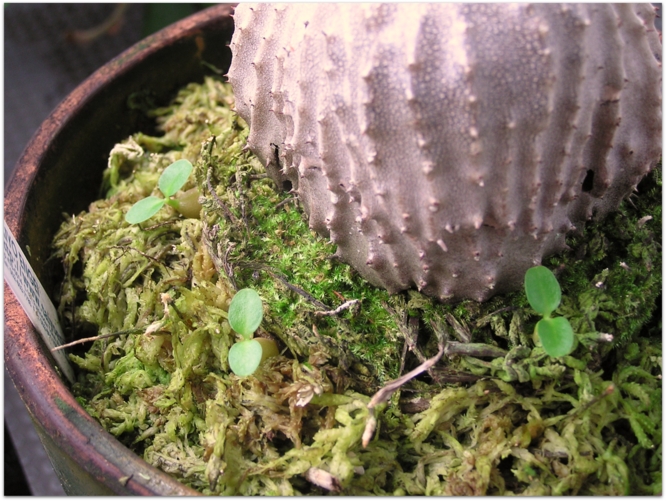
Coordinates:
(449, 147)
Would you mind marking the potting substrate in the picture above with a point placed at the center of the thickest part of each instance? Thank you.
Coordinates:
(494, 416)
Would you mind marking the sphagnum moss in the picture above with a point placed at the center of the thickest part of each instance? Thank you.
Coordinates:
(495, 416)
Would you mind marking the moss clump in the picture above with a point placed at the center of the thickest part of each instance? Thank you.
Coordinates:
(495, 416)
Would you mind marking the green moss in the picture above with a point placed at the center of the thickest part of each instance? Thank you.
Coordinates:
(612, 274)
(495, 416)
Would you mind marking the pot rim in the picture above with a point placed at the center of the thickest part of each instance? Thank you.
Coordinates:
(45, 394)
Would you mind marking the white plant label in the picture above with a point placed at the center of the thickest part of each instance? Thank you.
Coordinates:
(30, 293)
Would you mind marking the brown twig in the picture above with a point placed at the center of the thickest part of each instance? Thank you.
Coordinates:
(474, 350)
(389, 388)
(227, 212)
(228, 269)
(385, 393)
(484, 320)
(94, 338)
(403, 356)
(409, 329)
(287, 284)
(209, 234)
(147, 256)
(298, 290)
(578, 410)
(342, 307)
(460, 330)
(243, 201)
(285, 202)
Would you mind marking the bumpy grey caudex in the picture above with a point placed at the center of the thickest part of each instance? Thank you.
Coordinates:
(450, 146)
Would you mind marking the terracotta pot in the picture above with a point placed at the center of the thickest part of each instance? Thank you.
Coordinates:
(59, 172)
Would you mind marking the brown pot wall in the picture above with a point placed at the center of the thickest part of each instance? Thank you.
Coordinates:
(60, 172)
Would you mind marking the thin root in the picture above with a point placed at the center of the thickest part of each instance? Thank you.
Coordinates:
(385, 393)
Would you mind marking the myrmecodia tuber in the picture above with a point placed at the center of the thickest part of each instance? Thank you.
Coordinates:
(450, 146)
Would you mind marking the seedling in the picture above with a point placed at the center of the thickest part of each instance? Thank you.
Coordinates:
(245, 315)
(544, 295)
(172, 179)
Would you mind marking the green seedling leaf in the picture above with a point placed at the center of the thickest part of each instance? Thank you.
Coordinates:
(171, 180)
(556, 336)
(174, 177)
(245, 312)
(144, 209)
(542, 289)
(245, 356)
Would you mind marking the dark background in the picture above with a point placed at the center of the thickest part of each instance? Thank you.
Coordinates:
(49, 49)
